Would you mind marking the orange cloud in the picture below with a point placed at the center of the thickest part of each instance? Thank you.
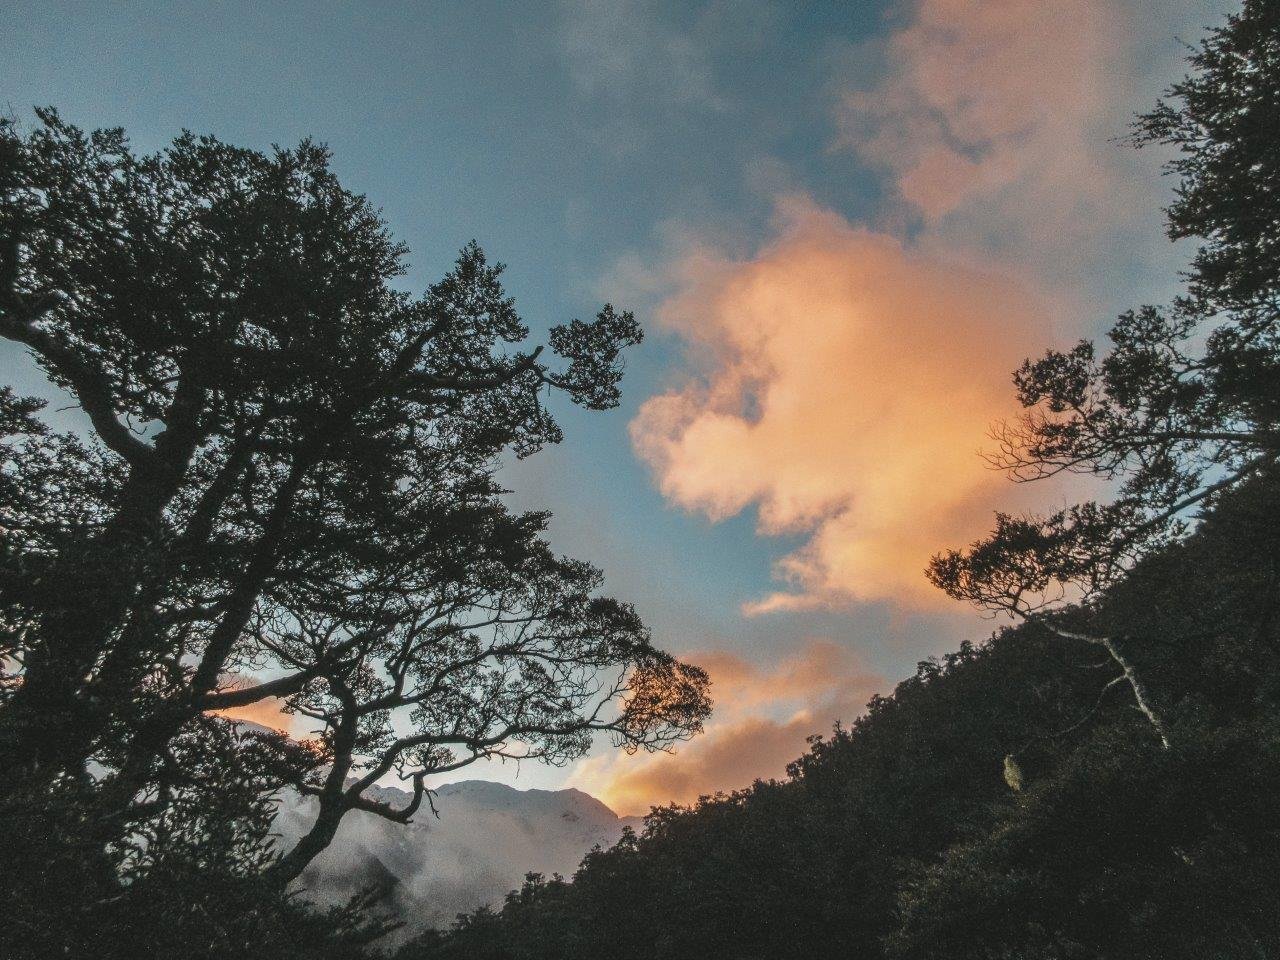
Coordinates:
(267, 713)
(845, 378)
(847, 384)
(761, 721)
(996, 119)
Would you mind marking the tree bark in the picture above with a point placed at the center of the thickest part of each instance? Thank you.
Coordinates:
(1142, 699)
(334, 804)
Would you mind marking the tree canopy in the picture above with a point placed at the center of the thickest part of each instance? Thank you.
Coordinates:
(1185, 405)
(288, 491)
(290, 475)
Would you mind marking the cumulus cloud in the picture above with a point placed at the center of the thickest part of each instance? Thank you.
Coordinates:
(843, 378)
(845, 387)
(763, 716)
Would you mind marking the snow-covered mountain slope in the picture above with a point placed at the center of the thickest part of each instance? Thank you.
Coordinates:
(486, 838)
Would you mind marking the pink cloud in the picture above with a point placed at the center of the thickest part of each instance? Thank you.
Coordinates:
(996, 116)
(269, 713)
(846, 385)
(844, 379)
(265, 713)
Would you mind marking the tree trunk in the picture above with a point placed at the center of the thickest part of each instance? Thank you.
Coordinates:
(1140, 695)
(333, 806)
(153, 734)
(289, 867)
(48, 727)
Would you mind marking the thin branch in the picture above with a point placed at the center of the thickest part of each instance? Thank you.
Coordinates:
(88, 384)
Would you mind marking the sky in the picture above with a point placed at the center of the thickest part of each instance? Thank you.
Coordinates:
(842, 224)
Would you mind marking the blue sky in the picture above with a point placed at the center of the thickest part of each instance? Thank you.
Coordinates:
(666, 156)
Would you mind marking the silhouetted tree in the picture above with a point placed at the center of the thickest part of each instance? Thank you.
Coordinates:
(1186, 404)
(290, 471)
(188, 881)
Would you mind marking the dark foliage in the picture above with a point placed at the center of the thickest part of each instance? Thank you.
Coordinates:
(1186, 402)
(289, 470)
(187, 883)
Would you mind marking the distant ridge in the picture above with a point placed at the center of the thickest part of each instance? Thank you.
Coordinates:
(486, 838)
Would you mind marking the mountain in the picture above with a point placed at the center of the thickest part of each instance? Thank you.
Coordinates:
(486, 837)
